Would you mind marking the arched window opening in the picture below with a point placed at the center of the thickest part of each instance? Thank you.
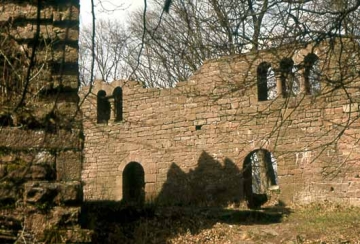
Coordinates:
(260, 177)
(311, 74)
(266, 82)
(133, 183)
(287, 76)
(103, 107)
(118, 104)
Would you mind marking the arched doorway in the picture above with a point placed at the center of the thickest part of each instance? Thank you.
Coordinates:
(133, 183)
(260, 177)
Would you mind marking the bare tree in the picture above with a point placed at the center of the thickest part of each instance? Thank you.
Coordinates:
(110, 49)
(176, 44)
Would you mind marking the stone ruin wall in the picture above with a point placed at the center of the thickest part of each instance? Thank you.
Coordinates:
(40, 140)
(192, 140)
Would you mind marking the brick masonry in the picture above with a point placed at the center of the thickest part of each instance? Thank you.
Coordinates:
(40, 137)
(192, 140)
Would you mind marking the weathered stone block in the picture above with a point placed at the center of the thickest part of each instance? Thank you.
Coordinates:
(9, 228)
(351, 108)
(22, 171)
(3, 170)
(47, 225)
(68, 165)
(53, 193)
(9, 192)
(41, 172)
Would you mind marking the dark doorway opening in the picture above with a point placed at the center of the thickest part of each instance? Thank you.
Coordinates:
(133, 183)
(260, 177)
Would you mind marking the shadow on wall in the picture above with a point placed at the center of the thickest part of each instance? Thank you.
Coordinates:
(188, 202)
(217, 185)
(209, 184)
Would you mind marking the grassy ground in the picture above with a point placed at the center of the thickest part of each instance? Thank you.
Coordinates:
(311, 224)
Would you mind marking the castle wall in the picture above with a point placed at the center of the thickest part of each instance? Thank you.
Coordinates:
(40, 127)
(192, 140)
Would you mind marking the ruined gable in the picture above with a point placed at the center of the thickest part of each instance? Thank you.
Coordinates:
(193, 141)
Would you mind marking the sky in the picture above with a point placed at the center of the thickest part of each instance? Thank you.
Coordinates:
(117, 9)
